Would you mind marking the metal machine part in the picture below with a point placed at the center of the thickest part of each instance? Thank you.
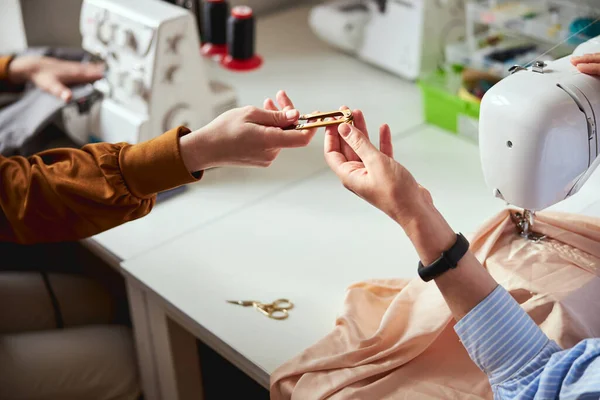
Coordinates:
(538, 67)
(524, 222)
(317, 120)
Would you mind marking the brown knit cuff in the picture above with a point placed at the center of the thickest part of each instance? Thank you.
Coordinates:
(156, 165)
(4, 64)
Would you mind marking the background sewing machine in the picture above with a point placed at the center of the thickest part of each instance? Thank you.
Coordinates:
(538, 133)
(405, 37)
(156, 78)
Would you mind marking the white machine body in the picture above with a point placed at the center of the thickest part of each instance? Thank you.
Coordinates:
(538, 132)
(407, 38)
(156, 78)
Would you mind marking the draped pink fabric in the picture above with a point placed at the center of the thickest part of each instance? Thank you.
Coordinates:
(395, 338)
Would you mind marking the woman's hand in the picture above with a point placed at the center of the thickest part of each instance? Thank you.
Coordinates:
(373, 174)
(286, 104)
(588, 64)
(247, 136)
(53, 75)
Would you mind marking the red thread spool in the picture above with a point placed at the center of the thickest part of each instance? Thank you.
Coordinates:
(240, 41)
(214, 28)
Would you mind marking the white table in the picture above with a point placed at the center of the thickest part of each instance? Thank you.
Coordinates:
(307, 243)
(316, 78)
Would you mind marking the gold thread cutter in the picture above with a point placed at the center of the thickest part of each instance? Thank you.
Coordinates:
(317, 120)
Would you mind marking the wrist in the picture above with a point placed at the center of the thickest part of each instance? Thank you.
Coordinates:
(429, 232)
(196, 151)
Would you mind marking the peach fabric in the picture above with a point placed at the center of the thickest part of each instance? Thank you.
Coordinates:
(395, 338)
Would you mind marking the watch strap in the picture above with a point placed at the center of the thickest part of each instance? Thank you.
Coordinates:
(448, 260)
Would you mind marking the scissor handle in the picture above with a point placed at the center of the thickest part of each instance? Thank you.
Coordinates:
(272, 312)
(277, 313)
(276, 310)
(282, 304)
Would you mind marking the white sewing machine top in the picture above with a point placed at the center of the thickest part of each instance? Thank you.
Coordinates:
(307, 243)
(340, 80)
(155, 11)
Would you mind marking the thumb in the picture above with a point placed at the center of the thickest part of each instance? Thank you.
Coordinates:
(53, 86)
(280, 119)
(359, 142)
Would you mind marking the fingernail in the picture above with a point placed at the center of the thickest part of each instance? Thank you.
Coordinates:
(291, 114)
(344, 130)
(65, 95)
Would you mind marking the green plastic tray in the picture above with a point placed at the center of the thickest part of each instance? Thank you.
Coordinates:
(443, 108)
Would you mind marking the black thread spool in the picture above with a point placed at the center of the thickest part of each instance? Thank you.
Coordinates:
(214, 27)
(240, 41)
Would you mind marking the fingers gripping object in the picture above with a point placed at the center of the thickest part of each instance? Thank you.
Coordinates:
(317, 120)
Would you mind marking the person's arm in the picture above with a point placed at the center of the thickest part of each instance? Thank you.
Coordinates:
(69, 194)
(500, 337)
(47, 73)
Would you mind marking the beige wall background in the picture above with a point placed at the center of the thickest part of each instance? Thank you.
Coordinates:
(56, 22)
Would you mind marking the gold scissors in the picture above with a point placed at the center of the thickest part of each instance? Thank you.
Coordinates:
(318, 119)
(276, 310)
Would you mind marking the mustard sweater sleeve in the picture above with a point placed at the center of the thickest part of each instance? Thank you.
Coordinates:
(4, 62)
(69, 194)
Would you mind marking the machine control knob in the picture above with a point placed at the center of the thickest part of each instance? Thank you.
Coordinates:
(170, 73)
(106, 32)
(126, 38)
(173, 43)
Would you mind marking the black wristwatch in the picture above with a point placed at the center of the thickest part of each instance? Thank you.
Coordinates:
(448, 260)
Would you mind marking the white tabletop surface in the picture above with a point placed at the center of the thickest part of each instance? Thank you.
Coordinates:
(317, 78)
(308, 243)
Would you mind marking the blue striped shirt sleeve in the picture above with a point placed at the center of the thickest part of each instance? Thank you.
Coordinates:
(519, 359)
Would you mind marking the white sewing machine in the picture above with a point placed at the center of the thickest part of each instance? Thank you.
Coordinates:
(156, 78)
(538, 132)
(405, 37)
